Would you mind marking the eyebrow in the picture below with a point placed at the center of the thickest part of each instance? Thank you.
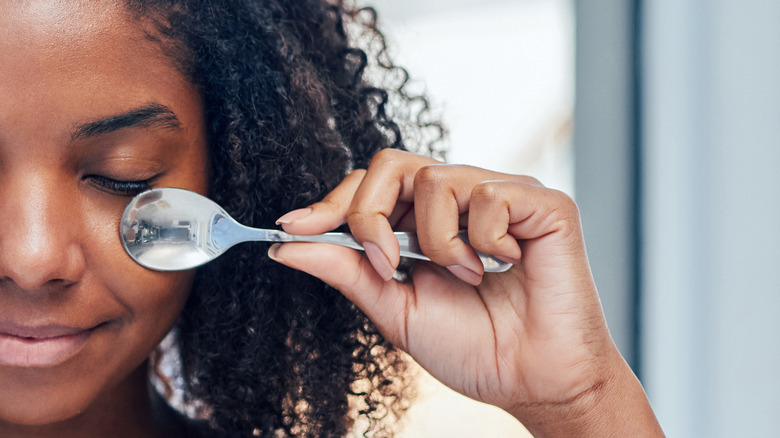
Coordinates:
(149, 115)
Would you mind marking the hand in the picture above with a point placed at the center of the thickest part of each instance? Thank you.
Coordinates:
(528, 339)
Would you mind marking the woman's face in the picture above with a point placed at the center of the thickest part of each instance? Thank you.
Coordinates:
(91, 111)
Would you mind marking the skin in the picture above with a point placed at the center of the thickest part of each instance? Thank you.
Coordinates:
(532, 340)
(67, 69)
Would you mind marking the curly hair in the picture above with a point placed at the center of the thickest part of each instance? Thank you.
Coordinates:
(297, 94)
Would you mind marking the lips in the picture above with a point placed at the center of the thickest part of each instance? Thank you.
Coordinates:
(40, 346)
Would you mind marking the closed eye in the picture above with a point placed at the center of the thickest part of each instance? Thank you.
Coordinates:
(118, 187)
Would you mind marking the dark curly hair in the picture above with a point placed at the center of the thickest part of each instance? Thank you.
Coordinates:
(297, 94)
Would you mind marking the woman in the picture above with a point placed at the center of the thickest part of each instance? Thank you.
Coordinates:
(263, 105)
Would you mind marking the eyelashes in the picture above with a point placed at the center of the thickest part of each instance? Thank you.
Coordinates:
(119, 187)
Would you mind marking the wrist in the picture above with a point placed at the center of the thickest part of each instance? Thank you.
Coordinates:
(614, 405)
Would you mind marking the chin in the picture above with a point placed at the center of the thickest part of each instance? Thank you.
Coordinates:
(45, 406)
(37, 416)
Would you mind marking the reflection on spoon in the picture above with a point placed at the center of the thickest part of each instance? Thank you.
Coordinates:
(170, 229)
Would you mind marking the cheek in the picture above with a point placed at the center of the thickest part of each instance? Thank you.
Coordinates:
(141, 305)
(154, 305)
(151, 300)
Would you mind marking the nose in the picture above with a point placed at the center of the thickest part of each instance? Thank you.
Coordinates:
(39, 242)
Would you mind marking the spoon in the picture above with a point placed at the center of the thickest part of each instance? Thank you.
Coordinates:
(170, 229)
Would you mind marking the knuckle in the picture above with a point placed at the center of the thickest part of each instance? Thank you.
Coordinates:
(486, 191)
(432, 175)
(486, 238)
(566, 205)
(531, 181)
(357, 217)
(565, 215)
(386, 157)
(361, 222)
(482, 242)
(435, 250)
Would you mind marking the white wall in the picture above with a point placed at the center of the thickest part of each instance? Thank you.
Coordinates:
(712, 223)
(501, 74)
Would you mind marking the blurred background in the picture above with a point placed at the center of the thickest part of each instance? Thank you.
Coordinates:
(662, 119)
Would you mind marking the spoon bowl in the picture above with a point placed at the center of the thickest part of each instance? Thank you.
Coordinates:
(169, 229)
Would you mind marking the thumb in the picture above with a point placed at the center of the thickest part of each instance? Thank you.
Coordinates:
(349, 271)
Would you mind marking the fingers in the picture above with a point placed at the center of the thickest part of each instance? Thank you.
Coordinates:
(416, 192)
(443, 194)
(382, 301)
(389, 179)
(501, 213)
(369, 201)
(537, 224)
(327, 214)
(490, 218)
(440, 198)
(393, 306)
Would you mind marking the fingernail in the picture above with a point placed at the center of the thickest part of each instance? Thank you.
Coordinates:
(508, 260)
(293, 216)
(378, 260)
(273, 252)
(465, 274)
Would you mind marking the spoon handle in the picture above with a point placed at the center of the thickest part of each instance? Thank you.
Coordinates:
(407, 241)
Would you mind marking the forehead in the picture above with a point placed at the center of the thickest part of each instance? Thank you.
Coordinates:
(52, 28)
(79, 59)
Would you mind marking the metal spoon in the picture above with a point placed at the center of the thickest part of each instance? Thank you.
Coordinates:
(170, 229)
